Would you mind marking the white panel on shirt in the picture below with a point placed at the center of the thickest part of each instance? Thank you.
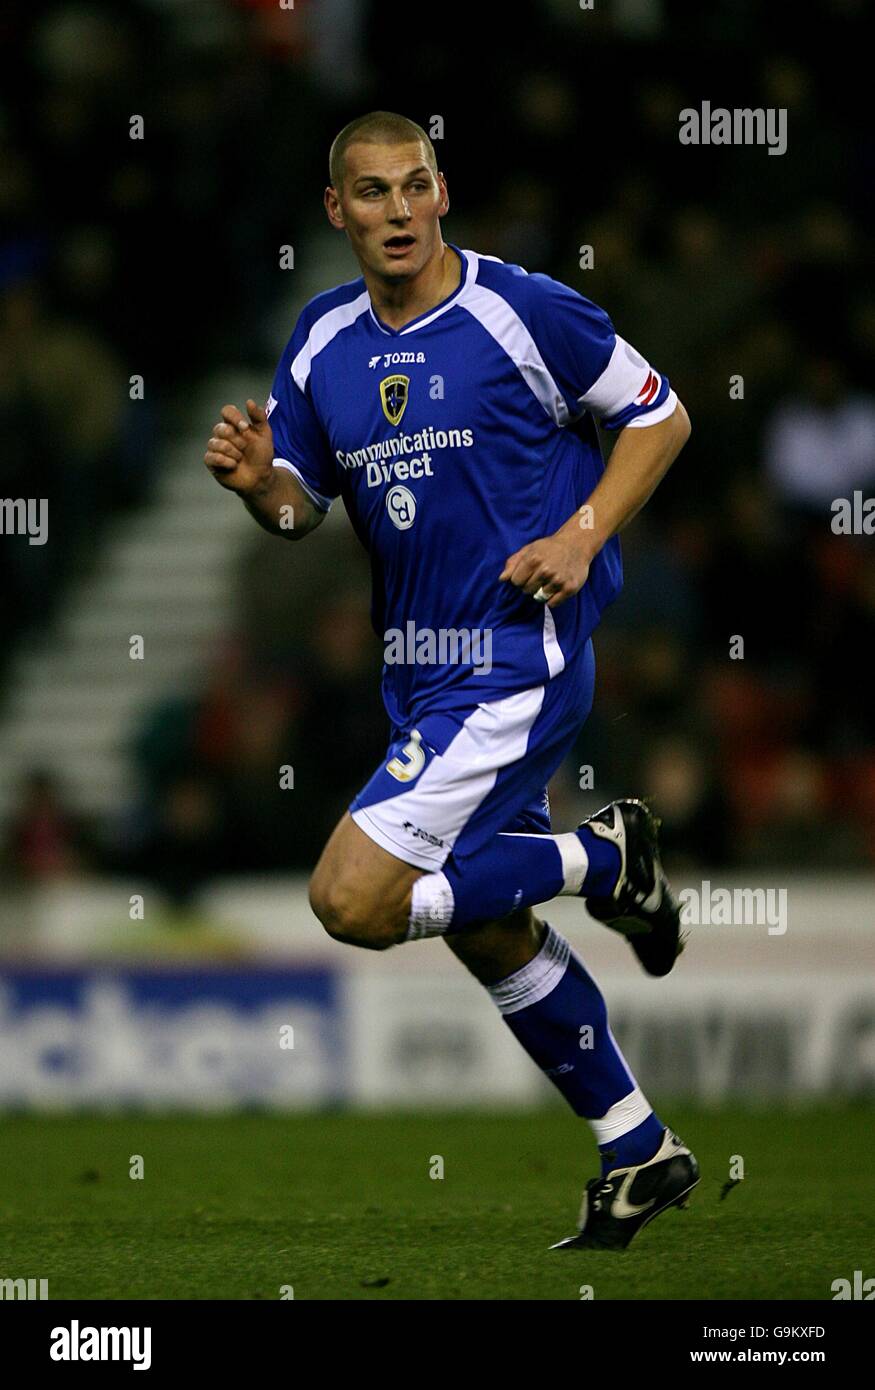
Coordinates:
(323, 331)
(507, 328)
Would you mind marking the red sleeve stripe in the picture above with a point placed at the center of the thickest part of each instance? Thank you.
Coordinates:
(649, 389)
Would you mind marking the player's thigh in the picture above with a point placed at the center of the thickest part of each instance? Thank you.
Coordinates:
(359, 890)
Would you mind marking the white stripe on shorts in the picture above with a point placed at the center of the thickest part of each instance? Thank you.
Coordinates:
(446, 795)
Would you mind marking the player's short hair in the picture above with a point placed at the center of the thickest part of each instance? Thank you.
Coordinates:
(377, 128)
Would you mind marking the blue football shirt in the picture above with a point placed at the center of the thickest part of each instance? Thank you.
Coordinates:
(454, 441)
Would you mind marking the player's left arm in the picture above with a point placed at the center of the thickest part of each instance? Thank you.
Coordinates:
(556, 567)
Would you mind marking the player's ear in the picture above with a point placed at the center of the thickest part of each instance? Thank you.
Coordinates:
(444, 202)
(333, 208)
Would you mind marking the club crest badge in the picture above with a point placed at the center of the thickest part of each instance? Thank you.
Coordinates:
(393, 394)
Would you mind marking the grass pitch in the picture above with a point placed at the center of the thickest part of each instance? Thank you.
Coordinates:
(341, 1206)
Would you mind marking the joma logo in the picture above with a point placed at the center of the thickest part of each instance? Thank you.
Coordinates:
(396, 359)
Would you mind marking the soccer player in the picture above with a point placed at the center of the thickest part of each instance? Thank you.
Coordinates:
(451, 400)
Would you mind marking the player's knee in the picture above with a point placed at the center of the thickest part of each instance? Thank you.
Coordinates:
(346, 916)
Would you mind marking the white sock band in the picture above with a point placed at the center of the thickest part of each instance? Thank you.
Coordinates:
(535, 980)
(431, 907)
(626, 1114)
(575, 862)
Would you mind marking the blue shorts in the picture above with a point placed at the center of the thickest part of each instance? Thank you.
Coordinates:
(462, 776)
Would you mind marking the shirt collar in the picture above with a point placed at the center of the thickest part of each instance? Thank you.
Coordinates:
(469, 275)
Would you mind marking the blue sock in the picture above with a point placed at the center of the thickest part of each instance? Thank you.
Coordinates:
(637, 1146)
(513, 871)
(557, 1012)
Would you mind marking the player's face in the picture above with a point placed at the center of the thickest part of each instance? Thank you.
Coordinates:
(390, 207)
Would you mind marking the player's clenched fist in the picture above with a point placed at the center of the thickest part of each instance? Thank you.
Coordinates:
(240, 451)
(550, 570)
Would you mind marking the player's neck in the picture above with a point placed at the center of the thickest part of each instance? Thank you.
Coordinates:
(398, 304)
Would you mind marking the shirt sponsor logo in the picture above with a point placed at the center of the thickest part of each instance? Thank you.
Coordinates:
(419, 443)
(401, 506)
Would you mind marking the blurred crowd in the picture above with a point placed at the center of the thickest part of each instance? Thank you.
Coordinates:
(746, 278)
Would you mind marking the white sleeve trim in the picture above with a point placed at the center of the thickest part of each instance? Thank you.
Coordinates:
(620, 382)
(628, 379)
(324, 503)
(653, 417)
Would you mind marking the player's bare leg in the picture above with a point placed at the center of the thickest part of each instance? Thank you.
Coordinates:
(361, 893)
(368, 897)
(496, 949)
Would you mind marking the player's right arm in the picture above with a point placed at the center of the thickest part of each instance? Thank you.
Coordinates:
(240, 457)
